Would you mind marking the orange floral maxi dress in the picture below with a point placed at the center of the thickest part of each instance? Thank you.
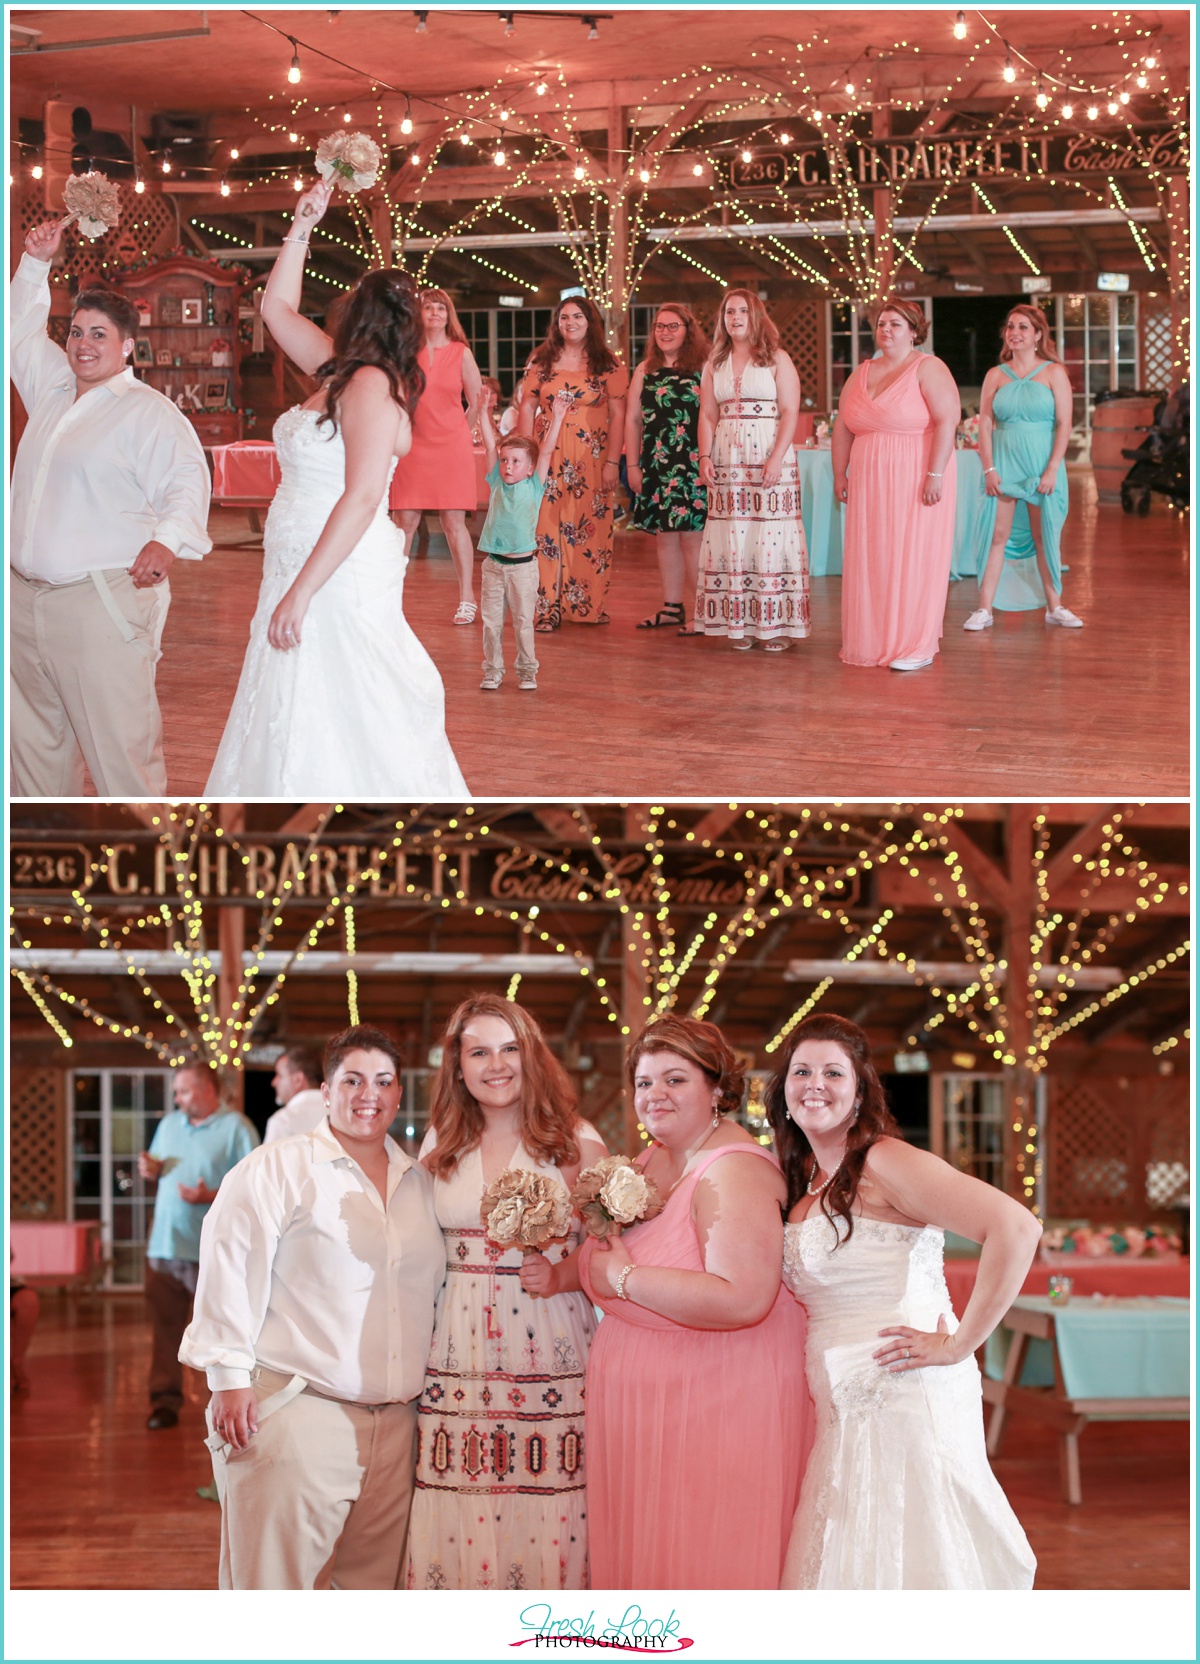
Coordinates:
(575, 525)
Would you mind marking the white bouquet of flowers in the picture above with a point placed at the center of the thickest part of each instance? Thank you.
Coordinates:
(351, 160)
(614, 1192)
(92, 199)
(524, 1209)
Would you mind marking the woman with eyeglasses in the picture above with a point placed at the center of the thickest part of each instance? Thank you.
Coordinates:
(661, 431)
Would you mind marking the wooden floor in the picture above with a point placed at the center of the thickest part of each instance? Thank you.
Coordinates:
(97, 1502)
(1021, 710)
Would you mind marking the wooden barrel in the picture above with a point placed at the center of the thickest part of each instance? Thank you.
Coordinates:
(1117, 425)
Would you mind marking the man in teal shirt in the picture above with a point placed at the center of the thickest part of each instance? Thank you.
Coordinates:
(193, 1148)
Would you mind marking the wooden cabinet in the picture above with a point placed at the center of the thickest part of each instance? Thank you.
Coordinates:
(187, 343)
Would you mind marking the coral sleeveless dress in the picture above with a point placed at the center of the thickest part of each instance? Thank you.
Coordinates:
(439, 471)
(896, 551)
(696, 1437)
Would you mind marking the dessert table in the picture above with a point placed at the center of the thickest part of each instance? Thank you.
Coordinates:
(823, 517)
(1110, 1359)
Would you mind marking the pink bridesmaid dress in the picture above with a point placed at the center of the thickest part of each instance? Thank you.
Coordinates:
(896, 551)
(696, 1438)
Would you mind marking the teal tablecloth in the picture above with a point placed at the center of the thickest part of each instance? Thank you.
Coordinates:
(1138, 1348)
(823, 518)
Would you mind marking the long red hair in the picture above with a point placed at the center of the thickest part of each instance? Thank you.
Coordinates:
(764, 337)
(1045, 342)
(549, 1121)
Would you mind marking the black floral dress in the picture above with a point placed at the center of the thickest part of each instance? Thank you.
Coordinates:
(575, 525)
(672, 498)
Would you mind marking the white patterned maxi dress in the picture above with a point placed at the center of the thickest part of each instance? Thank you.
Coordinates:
(754, 559)
(500, 1497)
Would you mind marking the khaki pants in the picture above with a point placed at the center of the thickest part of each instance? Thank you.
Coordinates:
(511, 589)
(81, 693)
(320, 1499)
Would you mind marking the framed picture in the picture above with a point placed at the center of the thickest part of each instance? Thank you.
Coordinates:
(143, 352)
(216, 391)
(193, 311)
(145, 313)
(169, 310)
(163, 358)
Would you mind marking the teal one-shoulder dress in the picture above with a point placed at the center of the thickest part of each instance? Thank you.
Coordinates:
(1021, 445)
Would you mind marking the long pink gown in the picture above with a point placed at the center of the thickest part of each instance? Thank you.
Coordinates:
(696, 1438)
(896, 551)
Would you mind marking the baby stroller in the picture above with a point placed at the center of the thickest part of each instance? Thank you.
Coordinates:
(1160, 462)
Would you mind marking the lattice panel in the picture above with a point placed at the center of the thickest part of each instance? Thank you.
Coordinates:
(1089, 1157)
(800, 328)
(1156, 348)
(148, 227)
(1168, 1170)
(38, 1170)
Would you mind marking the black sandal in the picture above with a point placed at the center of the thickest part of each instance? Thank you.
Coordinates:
(669, 616)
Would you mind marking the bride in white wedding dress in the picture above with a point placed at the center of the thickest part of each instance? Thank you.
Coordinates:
(898, 1493)
(337, 696)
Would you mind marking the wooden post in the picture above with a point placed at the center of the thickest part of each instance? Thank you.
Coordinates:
(381, 225)
(617, 311)
(1018, 952)
(633, 986)
(881, 200)
(1179, 272)
(231, 938)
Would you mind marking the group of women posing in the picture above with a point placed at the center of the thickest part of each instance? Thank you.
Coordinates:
(778, 1394)
(709, 445)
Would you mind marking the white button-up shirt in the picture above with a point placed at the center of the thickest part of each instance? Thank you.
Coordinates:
(302, 1112)
(304, 1270)
(96, 477)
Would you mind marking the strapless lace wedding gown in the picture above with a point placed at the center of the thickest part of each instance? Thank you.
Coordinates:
(898, 1493)
(358, 709)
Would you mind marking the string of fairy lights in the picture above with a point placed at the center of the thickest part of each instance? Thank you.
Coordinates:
(680, 963)
(534, 139)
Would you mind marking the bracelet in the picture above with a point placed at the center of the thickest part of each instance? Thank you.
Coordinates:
(995, 471)
(621, 1276)
(303, 241)
(932, 476)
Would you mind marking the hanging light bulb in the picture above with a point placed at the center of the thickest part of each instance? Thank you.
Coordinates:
(785, 138)
(293, 138)
(234, 152)
(504, 115)
(579, 170)
(816, 115)
(698, 169)
(1068, 111)
(1092, 112)
(1143, 80)
(850, 89)
(139, 184)
(294, 66)
(498, 156)
(346, 116)
(297, 183)
(224, 187)
(415, 158)
(166, 164)
(1010, 73)
(747, 155)
(960, 27)
(1150, 62)
(406, 125)
(1042, 99)
(464, 138)
(540, 89)
(1123, 97)
(644, 176)
(36, 170)
(1113, 106)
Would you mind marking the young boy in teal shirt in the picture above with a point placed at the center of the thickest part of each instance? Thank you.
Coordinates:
(517, 477)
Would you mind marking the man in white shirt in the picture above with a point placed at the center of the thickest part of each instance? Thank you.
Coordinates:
(297, 1083)
(109, 487)
(320, 1265)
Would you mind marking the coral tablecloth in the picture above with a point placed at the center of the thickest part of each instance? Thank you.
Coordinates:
(1113, 1276)
(249, 471)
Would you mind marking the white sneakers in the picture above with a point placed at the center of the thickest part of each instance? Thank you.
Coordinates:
(528, 683)
(909, 664)
(491, 683)
(1065, 617)
(981, 619)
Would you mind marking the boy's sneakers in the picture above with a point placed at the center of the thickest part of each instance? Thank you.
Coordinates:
(528, 682)
(491, 683)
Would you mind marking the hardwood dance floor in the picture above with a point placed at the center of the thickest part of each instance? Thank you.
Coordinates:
(1022, 710)
(100, 1503)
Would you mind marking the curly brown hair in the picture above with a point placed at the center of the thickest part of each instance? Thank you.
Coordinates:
(764, 337)
(378, 324)
(700, 1043)
(873, 1119)
(912, 314)
(550, 1124)
(694, 349)
(601, 360)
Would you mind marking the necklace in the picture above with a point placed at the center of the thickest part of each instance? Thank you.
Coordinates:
(815, 1190)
